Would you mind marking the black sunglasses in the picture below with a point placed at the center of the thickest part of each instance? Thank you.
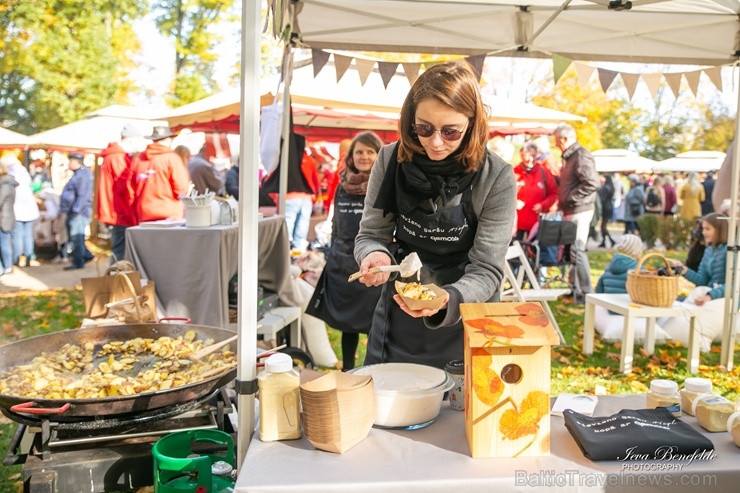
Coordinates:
(447, 133)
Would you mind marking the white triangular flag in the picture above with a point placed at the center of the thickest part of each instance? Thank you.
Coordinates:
(652, 81)
(584, 72)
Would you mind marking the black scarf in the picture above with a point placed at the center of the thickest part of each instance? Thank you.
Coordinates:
(420, 180)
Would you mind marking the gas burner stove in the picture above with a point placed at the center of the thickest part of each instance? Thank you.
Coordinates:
(106, 455)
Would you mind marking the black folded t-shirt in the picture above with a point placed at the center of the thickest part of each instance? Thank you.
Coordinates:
(639, 434)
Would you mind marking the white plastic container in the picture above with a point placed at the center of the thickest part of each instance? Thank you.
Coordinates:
(733, 427)
(279, 399)
(198, 216)
(664, 393)
(407, 395)
(694, 388)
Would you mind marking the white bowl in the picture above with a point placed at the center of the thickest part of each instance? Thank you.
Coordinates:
(407, 395)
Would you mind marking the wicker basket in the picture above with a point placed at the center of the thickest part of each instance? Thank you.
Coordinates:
(648, 288)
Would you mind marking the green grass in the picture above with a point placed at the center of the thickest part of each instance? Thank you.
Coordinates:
(25, 315)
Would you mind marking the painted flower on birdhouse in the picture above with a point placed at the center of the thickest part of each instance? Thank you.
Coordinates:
(532, 314)
(487, 384)
(525, 421)
(492, 329)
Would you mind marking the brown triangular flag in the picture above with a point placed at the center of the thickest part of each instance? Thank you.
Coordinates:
(412, 71)
(630, 82)
(693, 79)
(477, 62)
(606, 77)
(319, 59)
(674, 82)
(584, 72)
(559, 65)
(715, 75)
(387, 71)
(341, 64)
(364, 67)
(652, 81)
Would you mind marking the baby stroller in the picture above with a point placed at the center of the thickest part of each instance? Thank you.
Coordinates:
(551, 251)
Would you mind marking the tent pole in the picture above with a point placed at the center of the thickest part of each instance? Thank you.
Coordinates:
(732, 276)
(248, 227)
(285, 148)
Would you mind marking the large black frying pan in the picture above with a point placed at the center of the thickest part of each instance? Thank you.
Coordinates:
(23, 351)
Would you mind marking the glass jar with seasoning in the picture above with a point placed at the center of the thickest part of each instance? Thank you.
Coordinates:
(712, 412)
(664, 393)
(694, 388)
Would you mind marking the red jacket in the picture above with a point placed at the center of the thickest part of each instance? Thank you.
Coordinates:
(115, 192)
(159, 177)
(536, 186)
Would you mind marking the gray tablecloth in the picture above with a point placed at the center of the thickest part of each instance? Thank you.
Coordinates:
(191, 267)
(437, 459)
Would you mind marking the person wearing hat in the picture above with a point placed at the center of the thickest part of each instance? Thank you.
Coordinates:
(614, 281)
(158, 178)
(115, 192)
(76, 202)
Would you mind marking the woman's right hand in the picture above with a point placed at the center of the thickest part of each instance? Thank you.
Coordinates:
(375, 259)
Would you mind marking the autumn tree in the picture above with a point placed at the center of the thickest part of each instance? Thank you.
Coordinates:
(61, 59)
(191, 23)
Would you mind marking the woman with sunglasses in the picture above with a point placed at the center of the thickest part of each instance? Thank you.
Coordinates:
(440, 193)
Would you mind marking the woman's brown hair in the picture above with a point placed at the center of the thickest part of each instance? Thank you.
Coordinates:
(455, 85)
(719, 222)
(369, 139)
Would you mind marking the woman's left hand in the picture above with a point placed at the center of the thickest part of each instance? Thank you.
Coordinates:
(700, 300)
(419, 313)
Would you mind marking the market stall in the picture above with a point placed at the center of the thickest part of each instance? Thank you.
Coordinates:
(12, 140)
(621, 161)
(692, 161)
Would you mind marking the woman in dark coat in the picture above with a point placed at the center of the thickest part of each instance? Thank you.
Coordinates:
(7, 218)
(606, 196)
(634, 205)
(343, 305)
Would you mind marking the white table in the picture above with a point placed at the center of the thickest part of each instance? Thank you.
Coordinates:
(621, 304)
(437, 459)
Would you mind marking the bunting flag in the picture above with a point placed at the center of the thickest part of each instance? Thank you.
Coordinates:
(674, 82)
(559, 65)
(387, 71)
(715, 75)
(584, 73)
(341, 64)
(693, 79)
(630, 82)
(652, 81)
(319, 59)
(477, 62)
(364, 67)
(412, 71)
(606, 77)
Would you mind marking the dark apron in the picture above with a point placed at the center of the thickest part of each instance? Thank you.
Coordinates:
(343, 305)
(442, 240)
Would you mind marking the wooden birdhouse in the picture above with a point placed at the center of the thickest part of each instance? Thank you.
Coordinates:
(507, 378)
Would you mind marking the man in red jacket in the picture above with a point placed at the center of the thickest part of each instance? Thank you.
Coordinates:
(159, 178)
(115, 192)
(536, 192)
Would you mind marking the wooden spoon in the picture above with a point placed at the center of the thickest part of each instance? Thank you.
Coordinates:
(212, 348)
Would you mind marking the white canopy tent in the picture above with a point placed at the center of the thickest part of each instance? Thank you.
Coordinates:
(697, 161)
(621, 160)
(94, 132)
(12, 140)
(661, 31)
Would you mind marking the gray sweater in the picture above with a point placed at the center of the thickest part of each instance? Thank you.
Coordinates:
(494, 203)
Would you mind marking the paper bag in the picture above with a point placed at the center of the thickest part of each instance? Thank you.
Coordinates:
(96, 290)
(126, 305)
